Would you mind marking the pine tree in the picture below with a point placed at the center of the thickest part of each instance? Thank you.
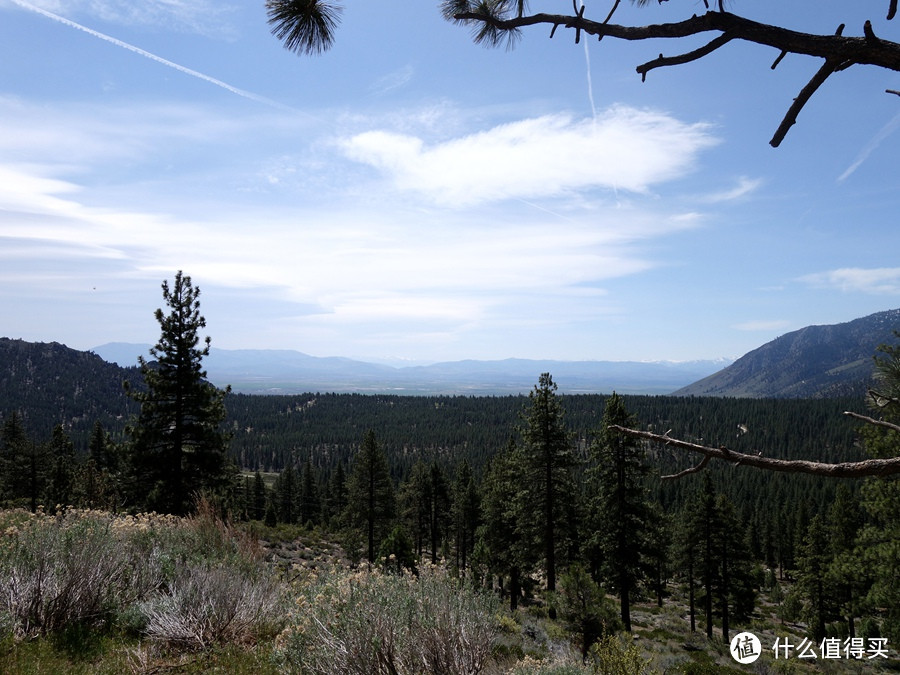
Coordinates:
(177, 446)
(547, 462)
(504, 546)
(848, 573)
(258, 497)
(62, 468)
(310, 504)
(287, 493)
(619, 507)
(813, 581)
(877, 544)
(23, 462)
(464, 514)
(370, 493)
(438, 508)
(415, 505)
(337, 495)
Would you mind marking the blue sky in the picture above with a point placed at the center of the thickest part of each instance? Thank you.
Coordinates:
(410, 195)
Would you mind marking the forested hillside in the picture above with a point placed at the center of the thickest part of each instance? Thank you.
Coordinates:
(50, 384)
(813, 362)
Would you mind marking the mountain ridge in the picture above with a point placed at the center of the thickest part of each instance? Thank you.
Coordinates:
(287, 372)
(820, 361)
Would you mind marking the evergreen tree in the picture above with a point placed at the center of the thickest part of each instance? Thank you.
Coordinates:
(310, 505)
(177, 446)
(877, 543)
(438, 508)
(97, 480)
(847, 573)
(415, 505)
(546, 466)
(686, 543)
(258, 497)
(504, 545)
(287, 492)
(706, 531)
(813, 581)
(62, 468)
(337, 494)
(464, 514)
(370, 493)
(619, 507)
(103, 451)
(13, 447)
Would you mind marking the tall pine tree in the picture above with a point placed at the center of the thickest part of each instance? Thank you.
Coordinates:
(620, 508)
(177, 445)
(547, 462)
(370, 493)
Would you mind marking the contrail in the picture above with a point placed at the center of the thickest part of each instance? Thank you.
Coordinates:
(587, 60)
(863, 155)
(153, 57)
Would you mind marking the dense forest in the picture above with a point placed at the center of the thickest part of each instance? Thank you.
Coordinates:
(519, 492)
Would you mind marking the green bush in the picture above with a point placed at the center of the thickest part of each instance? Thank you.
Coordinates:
(618, 654)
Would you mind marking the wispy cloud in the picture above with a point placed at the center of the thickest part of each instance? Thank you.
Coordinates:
(744, 187)
(878, 280)
(392, 81)
(624, 149)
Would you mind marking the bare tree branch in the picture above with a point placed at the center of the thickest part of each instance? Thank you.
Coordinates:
(861, 469)
(686, 472)
(790, 117)
(838, 51)
(872, 420)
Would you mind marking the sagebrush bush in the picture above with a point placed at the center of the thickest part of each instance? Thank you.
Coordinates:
(72, 569)
(206, 605)
(368, 622)
(188, 581)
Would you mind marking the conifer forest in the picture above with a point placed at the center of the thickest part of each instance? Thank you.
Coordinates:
(537, 536)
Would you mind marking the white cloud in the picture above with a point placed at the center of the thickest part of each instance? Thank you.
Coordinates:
(121, 197)
(878, 280)
(744, 187)
(625, 149)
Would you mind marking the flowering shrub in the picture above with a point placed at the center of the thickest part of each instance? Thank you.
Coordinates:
(367, 622)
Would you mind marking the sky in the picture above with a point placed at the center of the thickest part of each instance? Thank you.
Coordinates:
(410, 196)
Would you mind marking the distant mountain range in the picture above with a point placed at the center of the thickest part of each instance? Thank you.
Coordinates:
(289, 372)
(813, 362)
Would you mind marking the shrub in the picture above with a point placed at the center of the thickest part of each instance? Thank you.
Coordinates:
(584, 608)
(193, 582)
(369, 622)
(206, 605)
(618, 654)
(72, 569)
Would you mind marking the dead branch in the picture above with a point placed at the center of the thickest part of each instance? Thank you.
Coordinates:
(686, 472)
(862, 469)
(872, 420)
(838, 51)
